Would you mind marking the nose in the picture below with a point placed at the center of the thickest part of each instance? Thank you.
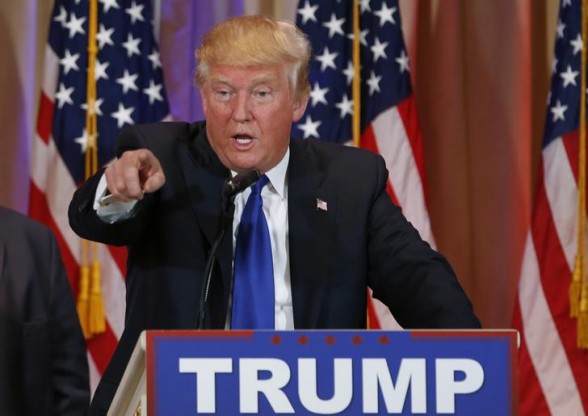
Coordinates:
(242, 110)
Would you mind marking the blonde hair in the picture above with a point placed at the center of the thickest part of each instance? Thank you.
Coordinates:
(249, 41)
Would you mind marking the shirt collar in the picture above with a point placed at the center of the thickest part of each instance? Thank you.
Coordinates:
(277, 175)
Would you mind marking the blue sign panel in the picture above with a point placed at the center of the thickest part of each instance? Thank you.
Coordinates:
(331, 372)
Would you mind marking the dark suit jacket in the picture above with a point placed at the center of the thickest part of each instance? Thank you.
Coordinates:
(361, 240)
(43, 362)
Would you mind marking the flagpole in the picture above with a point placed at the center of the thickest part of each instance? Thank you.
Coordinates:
(579, 286)
(356, 85)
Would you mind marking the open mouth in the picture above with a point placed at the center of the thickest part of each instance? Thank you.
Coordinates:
(243, 139)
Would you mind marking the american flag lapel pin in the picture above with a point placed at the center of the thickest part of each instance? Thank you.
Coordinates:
(321, 205)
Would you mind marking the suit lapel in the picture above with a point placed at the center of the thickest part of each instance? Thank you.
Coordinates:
(204, 176)
(311, 217)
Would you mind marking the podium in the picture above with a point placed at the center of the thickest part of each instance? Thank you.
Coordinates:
(335, 372)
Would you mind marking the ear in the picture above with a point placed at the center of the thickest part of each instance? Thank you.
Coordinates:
(203, 101)
(299, 108)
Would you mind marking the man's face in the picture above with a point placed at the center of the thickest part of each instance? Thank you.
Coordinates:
(249, 113)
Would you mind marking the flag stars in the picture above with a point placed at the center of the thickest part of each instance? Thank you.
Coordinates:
(402, 61)
(554, 63)
(74, 25)
(374, 83)
(318, 95)
(378, 49)
(123, 115)
(327, 59)
(558, 111)
(104, 36)
(136, 12)
(153, 92)
(100, 70)
(132, 45)
(577, 44)
(362, 36)
(560, 29)
(94, 107)
(386, 14)
(128, 81)
(69, 62)
(364, 6)
(308, 12)
(349, 72)
(566, 3)
(155, 59)
(569, 77)
(345, 106)
(335, 26)
(82, 141)
(310, 128)
(108, 4)
(63, 95)
(62, 17)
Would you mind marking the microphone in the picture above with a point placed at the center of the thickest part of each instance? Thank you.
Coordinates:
(231, 188)
(239, 183)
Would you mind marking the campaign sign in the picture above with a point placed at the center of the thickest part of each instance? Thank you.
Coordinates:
(331, 372)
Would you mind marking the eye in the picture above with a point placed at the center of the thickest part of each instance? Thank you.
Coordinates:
(222, 94)
(263, 94)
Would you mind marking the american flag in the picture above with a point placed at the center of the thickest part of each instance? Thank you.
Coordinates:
(129, 86)
(388, 119)
(553, 370)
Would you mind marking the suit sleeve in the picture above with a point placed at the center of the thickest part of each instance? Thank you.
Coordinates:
(71, 391)
(416, 283)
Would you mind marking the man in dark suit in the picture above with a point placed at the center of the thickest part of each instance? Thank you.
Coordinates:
(333, 228)
(43, 364)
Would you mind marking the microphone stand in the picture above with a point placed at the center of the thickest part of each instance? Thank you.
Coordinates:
(230, 190)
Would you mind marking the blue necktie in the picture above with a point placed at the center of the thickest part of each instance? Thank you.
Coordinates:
(253, 292)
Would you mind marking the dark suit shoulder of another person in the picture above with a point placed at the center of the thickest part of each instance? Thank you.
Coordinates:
(43, 362)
